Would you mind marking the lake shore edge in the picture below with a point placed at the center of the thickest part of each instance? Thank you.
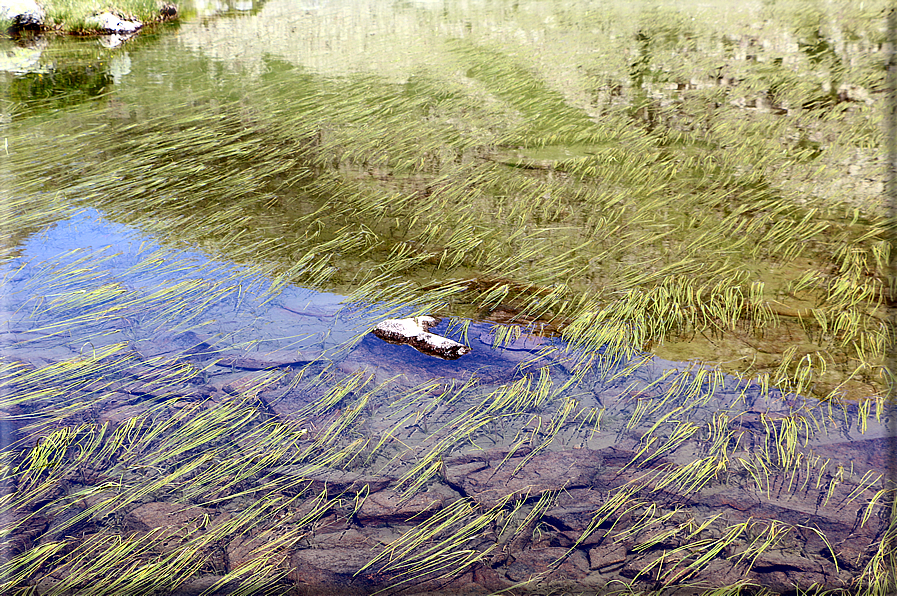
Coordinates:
(82, 17)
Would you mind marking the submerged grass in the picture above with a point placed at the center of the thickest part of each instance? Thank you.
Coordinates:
(632, 231)
(657, 203)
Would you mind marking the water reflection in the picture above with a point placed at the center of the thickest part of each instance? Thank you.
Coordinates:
(105, 286)
(87, 286)
(206, 9)
(23, 56)
(42, 73)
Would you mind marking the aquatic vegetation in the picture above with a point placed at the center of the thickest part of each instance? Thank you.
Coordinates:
(574, 228)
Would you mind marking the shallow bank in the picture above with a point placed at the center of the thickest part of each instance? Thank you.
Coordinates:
(125, 17)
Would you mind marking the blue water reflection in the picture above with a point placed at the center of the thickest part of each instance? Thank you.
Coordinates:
(91, 288)
(89, 282)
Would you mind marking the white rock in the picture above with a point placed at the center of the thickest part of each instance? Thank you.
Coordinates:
(406, 328)
(112, 23)
(23, 13)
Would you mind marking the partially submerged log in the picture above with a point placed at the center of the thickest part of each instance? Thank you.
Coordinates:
(415, 332)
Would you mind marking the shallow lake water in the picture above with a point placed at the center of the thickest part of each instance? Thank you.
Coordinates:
(658, 228)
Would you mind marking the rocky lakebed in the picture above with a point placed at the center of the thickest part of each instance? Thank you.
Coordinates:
(524, 465)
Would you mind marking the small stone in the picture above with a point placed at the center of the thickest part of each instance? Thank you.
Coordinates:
(490, 579)
(564, 565)
(340, 481)
(330, 570)
(242, 550)
(555, 470)
(169, 523)
(387, 506)
(159, 514)
(201, 585)
(119, 415)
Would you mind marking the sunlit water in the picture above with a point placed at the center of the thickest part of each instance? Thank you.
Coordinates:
(85, 285)
(235, 396)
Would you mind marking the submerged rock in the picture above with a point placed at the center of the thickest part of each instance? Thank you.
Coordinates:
(518, 342)
(490, 481)
(415, 332)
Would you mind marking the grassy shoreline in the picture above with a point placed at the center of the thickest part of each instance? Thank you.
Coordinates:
(78, 17)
